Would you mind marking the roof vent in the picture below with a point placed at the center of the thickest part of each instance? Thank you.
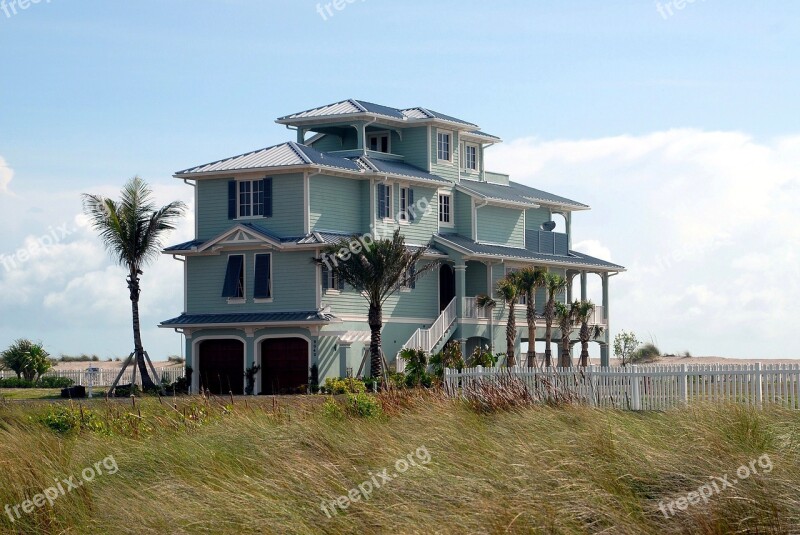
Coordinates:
(549, 226)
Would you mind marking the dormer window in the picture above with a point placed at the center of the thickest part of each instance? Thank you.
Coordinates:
(443, 146)
(379, 142)
(470, 157)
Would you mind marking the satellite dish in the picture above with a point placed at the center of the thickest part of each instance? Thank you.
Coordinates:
(549, 226)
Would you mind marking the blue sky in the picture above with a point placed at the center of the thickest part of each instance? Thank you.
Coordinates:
(607, 100)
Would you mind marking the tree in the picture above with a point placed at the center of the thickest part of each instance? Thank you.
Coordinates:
(583, 314)
(131, 230)
(625, 345)
(566, 316)
(508, 291)
(27, 359)
(487, 303)
(529, 280)
(554, 284)
(376, 270)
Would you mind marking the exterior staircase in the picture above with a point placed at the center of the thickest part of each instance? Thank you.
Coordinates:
(432, 339)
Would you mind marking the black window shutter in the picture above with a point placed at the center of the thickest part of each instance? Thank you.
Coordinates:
(232, 274)
(231, 199)
(262, 283)
(267, 197)
(410, 205)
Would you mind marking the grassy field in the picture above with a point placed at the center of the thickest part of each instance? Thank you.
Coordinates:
(267, 466)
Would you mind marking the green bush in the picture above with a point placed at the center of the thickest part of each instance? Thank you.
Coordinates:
(347, 385)
(43, 382)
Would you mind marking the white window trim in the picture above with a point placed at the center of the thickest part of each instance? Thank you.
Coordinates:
(239, 204)
(451, 223)
(239, 300)
(464, 157)
(379, 135)
(452, 137)
(402, 215)
(271, 291)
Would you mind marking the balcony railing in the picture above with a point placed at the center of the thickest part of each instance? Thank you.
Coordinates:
(472, 310)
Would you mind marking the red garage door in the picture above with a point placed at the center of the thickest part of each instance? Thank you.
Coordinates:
(222, 366)
(284, 364)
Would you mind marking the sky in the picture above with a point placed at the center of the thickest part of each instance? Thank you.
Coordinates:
(675, 120)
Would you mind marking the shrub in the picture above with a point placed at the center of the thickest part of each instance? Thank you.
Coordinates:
(26, 359)
(347, 385)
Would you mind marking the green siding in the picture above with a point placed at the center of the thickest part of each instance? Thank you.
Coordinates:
(337, 204)
(287, 207)
(293, 283)
(534, 217)
(475, 278)
(413, 147)
(463, 214)
(502, 226)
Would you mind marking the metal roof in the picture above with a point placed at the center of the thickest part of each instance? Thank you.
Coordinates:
(185, 320)
(353, 106)
(399, 168)
(515, 192)
(483, 249)
(283, 155)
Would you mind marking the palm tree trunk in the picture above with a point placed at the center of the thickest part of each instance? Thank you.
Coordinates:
(375, 320)
(531, 317)
(511, 335)
(133, 286)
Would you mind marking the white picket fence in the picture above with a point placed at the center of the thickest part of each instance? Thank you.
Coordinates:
(105, 376)
(653, 387)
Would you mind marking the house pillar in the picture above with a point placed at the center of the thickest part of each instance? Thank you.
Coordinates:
(604, 359)
(584, 291)
(461, 288)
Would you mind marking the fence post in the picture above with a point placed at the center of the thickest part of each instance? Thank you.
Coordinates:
(636, 398)
(683, 390)
(758, 383)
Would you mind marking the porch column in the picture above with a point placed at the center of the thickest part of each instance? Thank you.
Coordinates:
(461, 288)
(584, 291)
(604, 358)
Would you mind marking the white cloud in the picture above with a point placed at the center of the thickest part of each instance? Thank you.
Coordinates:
(706, 223)
(6, 175)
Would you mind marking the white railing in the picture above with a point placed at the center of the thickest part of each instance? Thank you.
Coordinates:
(472, 310)
(646, 387)
(426, 339)
(105, 376)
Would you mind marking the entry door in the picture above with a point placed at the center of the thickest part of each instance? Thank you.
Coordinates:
(284, 366)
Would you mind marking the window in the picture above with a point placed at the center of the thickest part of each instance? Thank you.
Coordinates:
(250, 198)
(406, 200)
(470, 156)
(384, 194)
(330, 280)
(407, 282)
(445, 209)
(379, 142)
(233, 288)
(443, 146)
(263, 275)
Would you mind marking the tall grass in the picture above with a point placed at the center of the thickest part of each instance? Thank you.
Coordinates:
(209, 466)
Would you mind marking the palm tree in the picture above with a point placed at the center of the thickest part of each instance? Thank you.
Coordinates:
(586, 332)
(508, 290)
(554, 284)
(566, 316)
(131, 230)
(487, 303)
(531, 279)
(376, 270)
